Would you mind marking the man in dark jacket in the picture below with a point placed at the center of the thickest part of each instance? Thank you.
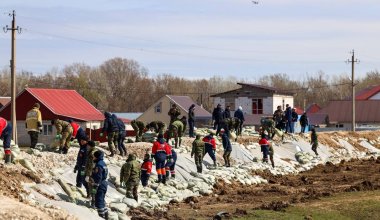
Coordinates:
(227, 112)
(121, 137)
(304, 121)
(288, 118)
(111, 127)
(294, 119)
(217, 117)
(240, 115)
(227, 149)
(100, 184)
(191, 120)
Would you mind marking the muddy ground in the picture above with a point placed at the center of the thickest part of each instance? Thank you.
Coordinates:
(236, 200)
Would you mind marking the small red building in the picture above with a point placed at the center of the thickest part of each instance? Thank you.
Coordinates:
(55, 103)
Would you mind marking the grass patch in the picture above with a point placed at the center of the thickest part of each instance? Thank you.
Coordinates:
(354, 205)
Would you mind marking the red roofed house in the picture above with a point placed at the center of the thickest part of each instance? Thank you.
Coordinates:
(256, 100)
(159, 110)
(55, 103)
(370, 93)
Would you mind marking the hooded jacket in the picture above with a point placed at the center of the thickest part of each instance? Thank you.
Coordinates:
(110, 123)
(130, 172)
(100, 171)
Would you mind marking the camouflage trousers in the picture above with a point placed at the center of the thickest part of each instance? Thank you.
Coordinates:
(112, 141)
(131, 188)
(65, 139)
(198, 158)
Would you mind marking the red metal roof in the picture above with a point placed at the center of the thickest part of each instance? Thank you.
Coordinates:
(367, 93)
(66, 103)
(313, 108)
(185, 102)
(299, 110)
(367, 111)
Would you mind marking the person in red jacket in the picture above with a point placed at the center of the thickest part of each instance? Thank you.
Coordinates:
(210, 147)
(264, 144)
(6, 135)
(146, 170)
(161, 152)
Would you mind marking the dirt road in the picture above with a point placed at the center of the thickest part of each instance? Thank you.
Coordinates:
(322, 181)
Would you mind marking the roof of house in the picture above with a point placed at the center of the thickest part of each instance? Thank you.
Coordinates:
(185, 102)
(299, 110)
(67, 103)
(128, 115)
(367, 111)
(367, 93)
(268, 88)
(4, 100)
(316, 118)
(313, 108)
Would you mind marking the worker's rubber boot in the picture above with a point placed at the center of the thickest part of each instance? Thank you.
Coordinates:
(8, 158)
(112, 153)
(214, 163)
(164, 180)
(136, 198)
(106, 216)
(64, 150)
(179, 142)
(173, 176)
(167, 173)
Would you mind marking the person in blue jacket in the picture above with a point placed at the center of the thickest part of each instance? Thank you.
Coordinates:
(111, 127)
(100, 184)
(121, 137)
(240, 115)
(227, 149)
(80, 166)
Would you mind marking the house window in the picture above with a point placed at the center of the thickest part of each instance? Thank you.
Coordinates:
(257, 106)
(48, 129)
(157, 108)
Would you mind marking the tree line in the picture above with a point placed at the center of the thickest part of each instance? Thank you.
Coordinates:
(123, 85)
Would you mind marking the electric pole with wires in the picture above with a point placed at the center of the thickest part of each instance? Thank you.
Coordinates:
(353, 61)
(13, 72)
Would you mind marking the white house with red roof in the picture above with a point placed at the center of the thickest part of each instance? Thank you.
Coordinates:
(54, 103)
(159, 110)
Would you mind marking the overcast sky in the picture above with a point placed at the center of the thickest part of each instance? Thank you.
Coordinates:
(197, 39)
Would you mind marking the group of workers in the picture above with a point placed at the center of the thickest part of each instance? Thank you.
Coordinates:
(92, 171)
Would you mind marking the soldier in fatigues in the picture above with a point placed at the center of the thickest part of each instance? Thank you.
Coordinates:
(100, 184)
(314, 141)
(198, 151)
(176, 131)
(64, 133)
(138, 126)
(111, 127)
(33, 124)
(271, 153)
(130, 176)
(174, 112)
(91, 149)
(156, 126)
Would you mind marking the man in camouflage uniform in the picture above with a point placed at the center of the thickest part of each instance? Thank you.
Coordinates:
(130, 176)
(158, 127)
(176, 130)
(111, 126)
(268, 125)
(198, 151)
(91, 149)
(64, 133)
(174, 112)
(138, 126)
(33, 124)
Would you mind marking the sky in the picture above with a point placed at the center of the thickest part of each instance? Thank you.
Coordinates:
(197, 39)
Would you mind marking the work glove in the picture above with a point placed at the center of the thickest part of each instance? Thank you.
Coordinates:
(58, 136)
(93, 190)
(40, 129)
(75, 168)
(101, 134)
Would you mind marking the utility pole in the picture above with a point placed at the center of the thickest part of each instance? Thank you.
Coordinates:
(13, 73)
(353, 61)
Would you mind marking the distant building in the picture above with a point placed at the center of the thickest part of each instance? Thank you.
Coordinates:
(4, 101)
(256, 101)
(55, 103)
(159, 110)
